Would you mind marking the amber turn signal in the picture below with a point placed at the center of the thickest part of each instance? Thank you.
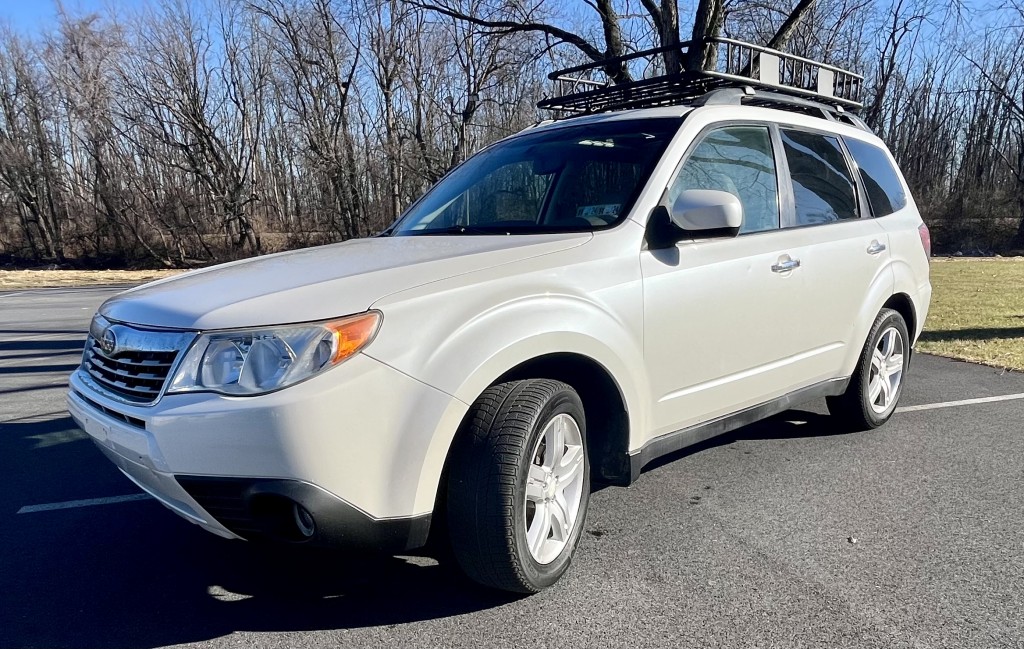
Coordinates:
(352, 334)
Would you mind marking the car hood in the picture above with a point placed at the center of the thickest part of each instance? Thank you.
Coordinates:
(319, 283)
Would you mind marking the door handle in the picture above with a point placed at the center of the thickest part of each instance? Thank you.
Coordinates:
(785, 266)
(876, 247)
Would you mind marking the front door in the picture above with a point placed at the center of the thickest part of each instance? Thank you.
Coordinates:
(721, 315)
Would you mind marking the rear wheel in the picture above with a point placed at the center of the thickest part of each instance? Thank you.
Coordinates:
(877, 383)
(519, 485)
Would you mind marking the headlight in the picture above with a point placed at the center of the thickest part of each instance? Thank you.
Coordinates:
(258, 361)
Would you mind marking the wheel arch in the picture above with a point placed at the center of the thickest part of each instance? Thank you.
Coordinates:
(902, 304)
(603, 403)
(877, 296)
(603, 400)
(899, 302)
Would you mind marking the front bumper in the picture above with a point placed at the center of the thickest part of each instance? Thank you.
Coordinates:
(360, 448)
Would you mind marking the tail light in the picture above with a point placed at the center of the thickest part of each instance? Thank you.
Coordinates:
(926, 239)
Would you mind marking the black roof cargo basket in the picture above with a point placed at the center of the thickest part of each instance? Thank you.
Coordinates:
(588, 88)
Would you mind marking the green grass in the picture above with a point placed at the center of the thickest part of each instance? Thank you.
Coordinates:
(977, 311)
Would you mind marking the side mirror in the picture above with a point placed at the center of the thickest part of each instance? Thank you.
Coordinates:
(707, 209)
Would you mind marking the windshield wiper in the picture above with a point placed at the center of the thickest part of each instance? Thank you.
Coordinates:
(463, 229)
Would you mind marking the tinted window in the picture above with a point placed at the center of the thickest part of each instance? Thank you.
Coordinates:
(884, 189)
(570, 178)
(823, 187)
(511, 193)
(738, 160)
(596, 191)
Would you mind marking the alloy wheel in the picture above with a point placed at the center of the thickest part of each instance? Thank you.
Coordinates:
(886, 371)
(554, 488)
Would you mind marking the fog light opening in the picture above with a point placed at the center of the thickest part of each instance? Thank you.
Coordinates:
(303, 521)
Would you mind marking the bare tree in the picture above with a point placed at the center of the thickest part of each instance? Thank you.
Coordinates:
(178, 91)
(316, 59)
(27, 146)
(201, 132)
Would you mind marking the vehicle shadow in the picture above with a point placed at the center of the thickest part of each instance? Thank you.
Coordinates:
(791, 424)
(132, 574)
(68, 344)
(118, 585)
(987, 333)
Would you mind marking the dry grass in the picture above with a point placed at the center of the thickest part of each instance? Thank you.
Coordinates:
(16, 279)
(977, 311)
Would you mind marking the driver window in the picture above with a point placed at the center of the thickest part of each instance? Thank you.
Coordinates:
(737, 160)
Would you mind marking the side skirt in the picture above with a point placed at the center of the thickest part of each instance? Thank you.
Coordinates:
(680, 439)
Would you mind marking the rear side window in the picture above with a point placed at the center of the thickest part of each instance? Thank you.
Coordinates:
(737, 160)
(885, 191)
(823, 188)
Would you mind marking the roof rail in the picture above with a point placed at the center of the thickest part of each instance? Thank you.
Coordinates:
(771, 99)
(588, 88)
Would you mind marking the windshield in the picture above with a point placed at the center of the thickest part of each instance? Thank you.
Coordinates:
(571, 179)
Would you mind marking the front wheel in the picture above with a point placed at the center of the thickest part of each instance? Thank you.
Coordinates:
(519, 485)
(877, 383)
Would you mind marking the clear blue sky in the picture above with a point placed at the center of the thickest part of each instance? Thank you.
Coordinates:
(28, 16)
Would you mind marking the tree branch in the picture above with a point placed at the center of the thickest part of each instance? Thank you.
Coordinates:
(510, 26)
(785, 31)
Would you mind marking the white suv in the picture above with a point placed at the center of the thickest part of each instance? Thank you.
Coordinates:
(566, 306)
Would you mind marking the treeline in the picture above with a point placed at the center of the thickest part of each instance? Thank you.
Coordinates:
(189, 133)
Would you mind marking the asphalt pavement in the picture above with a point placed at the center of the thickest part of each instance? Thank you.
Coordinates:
(783, 534)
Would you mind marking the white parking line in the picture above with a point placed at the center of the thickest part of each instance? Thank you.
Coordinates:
(963, 402)
(23, 292)
(63, 335)
(89, 502)
(12, 361)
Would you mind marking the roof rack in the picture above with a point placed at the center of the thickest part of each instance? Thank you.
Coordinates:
(738, 66)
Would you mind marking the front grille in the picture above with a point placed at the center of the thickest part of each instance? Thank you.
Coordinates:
(136, 364)
(135, 375)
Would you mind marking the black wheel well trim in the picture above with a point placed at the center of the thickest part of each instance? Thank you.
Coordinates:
(603, 402)
(904, 305)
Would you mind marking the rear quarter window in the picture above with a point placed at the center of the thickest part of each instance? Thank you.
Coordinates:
(884, 189)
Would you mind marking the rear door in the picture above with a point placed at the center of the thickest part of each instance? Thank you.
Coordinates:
(895, 213)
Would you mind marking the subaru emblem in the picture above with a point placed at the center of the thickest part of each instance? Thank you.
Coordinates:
(108, 342)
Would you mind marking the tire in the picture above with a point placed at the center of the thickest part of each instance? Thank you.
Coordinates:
(866, 404)
(497, 503)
